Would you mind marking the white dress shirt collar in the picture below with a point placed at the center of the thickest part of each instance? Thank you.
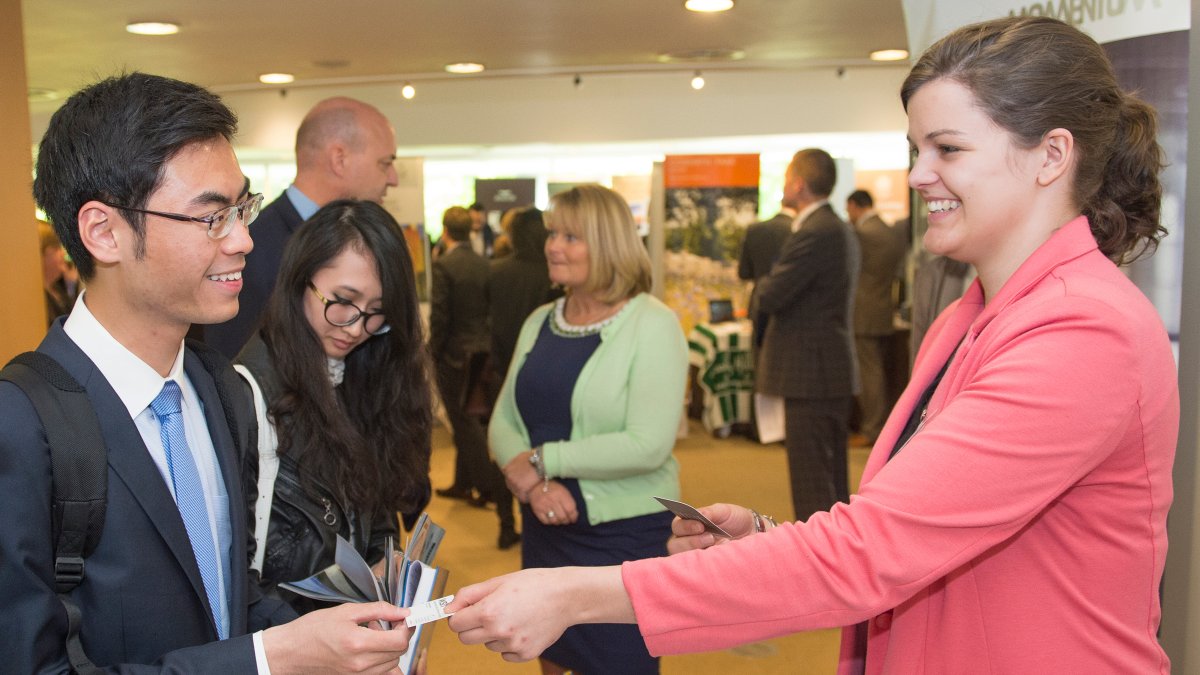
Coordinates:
(862, 218)
(806, 212)
(134, 381)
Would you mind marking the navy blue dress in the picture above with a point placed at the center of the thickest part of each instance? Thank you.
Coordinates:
(543, 394)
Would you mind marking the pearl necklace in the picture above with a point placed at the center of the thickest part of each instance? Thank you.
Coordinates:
(562, 328)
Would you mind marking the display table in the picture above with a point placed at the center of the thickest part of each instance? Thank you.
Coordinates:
(725, 372)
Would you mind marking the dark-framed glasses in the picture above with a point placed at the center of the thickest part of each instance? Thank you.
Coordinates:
(220, 222)
(345, 313)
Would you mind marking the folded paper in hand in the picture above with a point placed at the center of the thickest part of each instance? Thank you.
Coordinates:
(409, 578)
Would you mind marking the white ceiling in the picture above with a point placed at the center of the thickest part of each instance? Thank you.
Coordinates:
(226, 44)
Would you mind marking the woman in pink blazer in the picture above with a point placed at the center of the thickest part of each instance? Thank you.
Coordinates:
(1012, 515)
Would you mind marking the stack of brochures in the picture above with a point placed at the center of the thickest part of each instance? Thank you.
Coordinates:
(409, 578)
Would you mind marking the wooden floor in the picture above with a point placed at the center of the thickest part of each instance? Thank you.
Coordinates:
(732, 470)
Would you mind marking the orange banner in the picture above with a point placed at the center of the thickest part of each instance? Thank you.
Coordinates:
(698, 171)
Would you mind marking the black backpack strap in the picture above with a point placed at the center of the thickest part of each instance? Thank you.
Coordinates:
(235, 404)
(79, 470)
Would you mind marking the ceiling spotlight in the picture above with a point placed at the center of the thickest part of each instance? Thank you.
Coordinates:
(698, 81)
(276, 78)
(464, 68)
(708, 5)
(152, 28)
(408, 91)
(889, 55)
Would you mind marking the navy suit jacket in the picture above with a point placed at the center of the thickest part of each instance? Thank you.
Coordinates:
(142, 599)
(270, 232)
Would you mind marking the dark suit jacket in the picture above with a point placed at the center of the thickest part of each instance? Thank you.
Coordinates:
(808, 351)
(270, 231)
(458, 312)
(520, 286)
(882, 250)
(760, 249)
(142, 599)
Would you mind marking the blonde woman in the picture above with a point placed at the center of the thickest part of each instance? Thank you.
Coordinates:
(587, 415)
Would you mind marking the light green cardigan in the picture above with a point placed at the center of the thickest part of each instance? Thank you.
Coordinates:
(624, 412)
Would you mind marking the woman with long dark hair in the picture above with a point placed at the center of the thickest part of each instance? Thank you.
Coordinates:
(340, 364)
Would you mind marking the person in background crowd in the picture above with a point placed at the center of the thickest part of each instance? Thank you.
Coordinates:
(459, 340)
(345, 149)
(1012, 516)
(807, 356)
(60, 279)
(483, 237)
(874, 308)
(519, 284)
(503, 246)
(138, 175)
(760, 250)
(340, 380)
(587, 416)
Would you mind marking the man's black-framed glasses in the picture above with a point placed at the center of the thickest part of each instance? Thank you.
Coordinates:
(220, 222)
(345, 313)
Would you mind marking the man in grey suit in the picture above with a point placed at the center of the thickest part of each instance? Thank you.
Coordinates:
(808, 354)
(882, 249)
(760, 250)
(345, 149)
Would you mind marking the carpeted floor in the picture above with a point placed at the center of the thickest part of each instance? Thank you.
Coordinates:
(732, 470)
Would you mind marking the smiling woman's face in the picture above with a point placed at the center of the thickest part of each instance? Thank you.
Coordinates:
(977, 184)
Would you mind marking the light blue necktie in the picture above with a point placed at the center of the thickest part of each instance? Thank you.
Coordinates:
(189, 494)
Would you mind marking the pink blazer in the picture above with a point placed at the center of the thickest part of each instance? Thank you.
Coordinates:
(1021, 530)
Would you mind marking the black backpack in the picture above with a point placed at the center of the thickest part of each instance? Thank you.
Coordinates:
(79, 464)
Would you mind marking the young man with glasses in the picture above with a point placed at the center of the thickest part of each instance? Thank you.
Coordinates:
(139, 178)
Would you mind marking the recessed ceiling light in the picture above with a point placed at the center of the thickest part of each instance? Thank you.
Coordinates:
(702, 55)
(708, 5)
(698, 81)
(408, 91)
(464, 68)
(889, 55)
(276, 78)
(152, 28)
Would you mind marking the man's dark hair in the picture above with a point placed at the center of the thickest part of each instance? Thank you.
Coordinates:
(861, 198)
(476, 207)
(456, 222)
(110, 141)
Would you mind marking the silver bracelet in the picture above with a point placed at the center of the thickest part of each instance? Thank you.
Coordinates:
(759, 525)
(535, 458)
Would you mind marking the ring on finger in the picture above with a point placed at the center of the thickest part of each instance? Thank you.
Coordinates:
(550, 514)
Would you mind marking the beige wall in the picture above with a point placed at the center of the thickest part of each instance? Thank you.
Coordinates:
(23, 318)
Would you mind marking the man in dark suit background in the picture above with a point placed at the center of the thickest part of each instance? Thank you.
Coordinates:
(882, 249)
(459, 341)
(807, 354)
(760, 250)
(345, 149)
(483, 237)
(140, 180)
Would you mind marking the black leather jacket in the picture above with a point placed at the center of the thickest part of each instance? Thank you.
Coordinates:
(304, 517)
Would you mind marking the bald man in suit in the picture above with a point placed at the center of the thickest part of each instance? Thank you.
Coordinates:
(345, 149)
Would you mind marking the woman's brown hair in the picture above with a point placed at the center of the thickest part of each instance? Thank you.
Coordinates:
(1035, 74)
